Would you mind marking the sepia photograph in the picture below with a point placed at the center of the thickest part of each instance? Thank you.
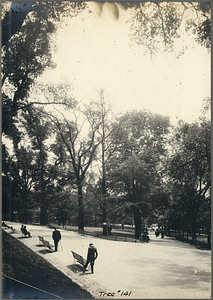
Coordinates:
(106, 149)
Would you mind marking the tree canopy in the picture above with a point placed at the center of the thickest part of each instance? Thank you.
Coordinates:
(154, 24)
(150, 172)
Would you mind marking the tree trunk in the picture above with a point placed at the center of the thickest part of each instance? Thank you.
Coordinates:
(80, 208)
(44, 213)
(25, 217)
(104, 210)
(193, 232)
(44, 207)
(137, 220)
(194, 218)
(10, 210)
(209, 238)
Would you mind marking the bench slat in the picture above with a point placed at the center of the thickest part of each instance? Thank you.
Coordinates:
(79, 258)
(41, 239)
(47, 244)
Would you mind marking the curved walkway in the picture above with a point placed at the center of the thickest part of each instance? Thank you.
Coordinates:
(162, 268)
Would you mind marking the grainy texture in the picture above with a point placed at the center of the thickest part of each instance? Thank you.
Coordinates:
(21, 263)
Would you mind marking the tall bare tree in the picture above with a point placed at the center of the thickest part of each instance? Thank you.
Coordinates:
(77, 133)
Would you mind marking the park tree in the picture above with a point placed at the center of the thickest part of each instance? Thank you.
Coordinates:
(14, 14)
(190, 172)
(22, 177)
(77, 133)
(93, 198)
(106, 133)
(48, 176)
(158, 25)
(27, 29)
(133, 169)
(24, 58)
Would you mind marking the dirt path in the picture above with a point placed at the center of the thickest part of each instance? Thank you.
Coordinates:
(162, 268)
(28, 276)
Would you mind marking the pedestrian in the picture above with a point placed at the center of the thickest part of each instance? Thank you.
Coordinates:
(56, 237)
(92, 254)
(109, 229)
(157, 232)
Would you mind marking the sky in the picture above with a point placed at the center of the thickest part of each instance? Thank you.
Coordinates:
(94, 52)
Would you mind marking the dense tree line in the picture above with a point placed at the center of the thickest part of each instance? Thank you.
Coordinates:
(154, 174)
(146, 171)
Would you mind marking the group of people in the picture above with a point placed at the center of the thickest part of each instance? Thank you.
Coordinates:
(25, 231)
(158, 232)
(92, 252)
(3, 224)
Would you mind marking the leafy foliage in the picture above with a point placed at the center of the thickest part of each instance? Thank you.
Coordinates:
(23, 59)
(154, 24)
(14, 14)
(190, 173)
(132, 171)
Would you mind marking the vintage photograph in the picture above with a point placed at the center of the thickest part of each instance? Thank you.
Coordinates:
(106, 149)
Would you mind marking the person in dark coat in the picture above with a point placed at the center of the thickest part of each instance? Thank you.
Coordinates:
(25, 231)
(5, 225)
(109, 229)
(56, 237)
(92, 254)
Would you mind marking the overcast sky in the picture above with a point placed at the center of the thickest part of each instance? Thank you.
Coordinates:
(94, 53)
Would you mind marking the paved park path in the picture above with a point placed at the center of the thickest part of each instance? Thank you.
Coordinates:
(162, 268)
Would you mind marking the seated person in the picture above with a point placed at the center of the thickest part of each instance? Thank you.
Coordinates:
(24, 231)
(4, 225)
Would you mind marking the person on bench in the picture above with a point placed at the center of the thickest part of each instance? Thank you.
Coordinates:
(25, 231)
(92, 254)
(5, 225)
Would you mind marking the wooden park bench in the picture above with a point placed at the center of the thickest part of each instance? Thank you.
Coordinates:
(79, 259)
(25, 233)
(41, 239)
(47, 244)
(13, 229)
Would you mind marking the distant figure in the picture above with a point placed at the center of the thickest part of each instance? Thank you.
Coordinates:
(157, 232)
(162, 233)
(25, 231)
(145, 235)
(56, 237)
(109, 229)
(92, 254)
(4, 225)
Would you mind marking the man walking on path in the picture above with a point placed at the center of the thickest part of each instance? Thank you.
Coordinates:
(92, 254)
(56, 237)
